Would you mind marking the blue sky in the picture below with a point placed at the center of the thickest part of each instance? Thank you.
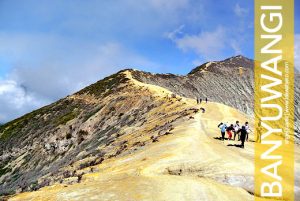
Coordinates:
(51, 48)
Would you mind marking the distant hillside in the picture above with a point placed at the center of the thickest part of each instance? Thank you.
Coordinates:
(229, 82)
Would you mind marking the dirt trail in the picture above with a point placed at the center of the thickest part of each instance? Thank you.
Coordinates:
(187, 165)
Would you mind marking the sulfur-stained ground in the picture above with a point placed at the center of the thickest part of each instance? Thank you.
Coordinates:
(188, 164)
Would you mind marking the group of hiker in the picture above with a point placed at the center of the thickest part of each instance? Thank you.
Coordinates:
(199, 100)
(233, 130)
(241, 132)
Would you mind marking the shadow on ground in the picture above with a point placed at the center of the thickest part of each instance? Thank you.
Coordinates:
(235, 145)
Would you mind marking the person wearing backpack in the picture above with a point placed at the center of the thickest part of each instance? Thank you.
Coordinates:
(229, 130)
(223, 128)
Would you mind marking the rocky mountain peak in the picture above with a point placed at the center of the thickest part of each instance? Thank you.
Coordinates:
(224, 65)
(239, 60)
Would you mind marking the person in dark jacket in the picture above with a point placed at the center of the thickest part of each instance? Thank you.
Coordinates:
(243, 132)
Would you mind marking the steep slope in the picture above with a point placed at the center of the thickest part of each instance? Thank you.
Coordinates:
(230, 82)
(55, 143)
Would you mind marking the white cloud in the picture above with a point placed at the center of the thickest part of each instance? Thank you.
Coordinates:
(239, 11)
(176, 33)
(208, 44)
(16, 95)
(47, 68)
(78, 47)
(15, 100)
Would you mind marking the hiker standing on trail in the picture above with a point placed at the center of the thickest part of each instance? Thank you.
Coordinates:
(243, 132)
(229, 131)
(197, 100)
(200, 100)
(223, 130)
(247, 127)
(206, 100)
(236, 129)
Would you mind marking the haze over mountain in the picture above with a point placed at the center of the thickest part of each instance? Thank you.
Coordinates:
(134, 132)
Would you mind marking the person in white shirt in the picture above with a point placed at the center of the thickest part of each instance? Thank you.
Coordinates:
(247, 127)
(236, 130)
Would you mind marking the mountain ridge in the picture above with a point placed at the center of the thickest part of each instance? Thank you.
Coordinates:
(59, 142)
(78, 131)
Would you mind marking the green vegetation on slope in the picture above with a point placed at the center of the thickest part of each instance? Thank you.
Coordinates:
(14, 127)
(67, 108)
(62, 120)
(105, 86)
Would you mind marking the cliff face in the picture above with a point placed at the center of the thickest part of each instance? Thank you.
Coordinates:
(119, 119)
